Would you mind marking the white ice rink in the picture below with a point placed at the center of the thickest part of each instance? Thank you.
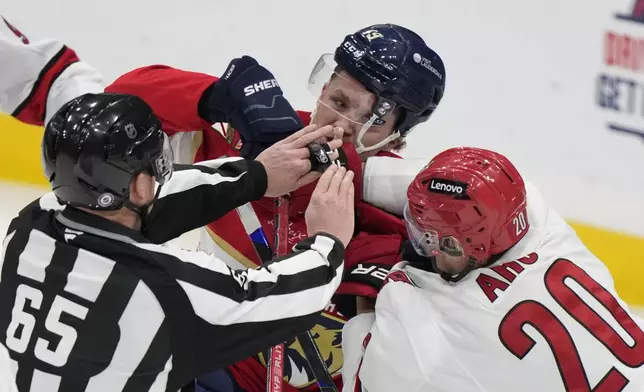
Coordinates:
(15, 197)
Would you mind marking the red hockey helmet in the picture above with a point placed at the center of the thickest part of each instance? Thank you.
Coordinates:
(470, 199)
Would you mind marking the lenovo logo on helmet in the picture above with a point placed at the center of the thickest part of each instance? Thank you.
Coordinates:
(448, 187)
(260, 86)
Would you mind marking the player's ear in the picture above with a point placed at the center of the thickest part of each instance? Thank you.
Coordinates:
(142, 189)
(395, 145)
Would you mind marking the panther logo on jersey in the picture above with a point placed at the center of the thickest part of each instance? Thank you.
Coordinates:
(328, 337)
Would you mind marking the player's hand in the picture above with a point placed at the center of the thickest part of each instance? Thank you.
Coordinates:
(249, 98)
(287, 162)
(331, 209)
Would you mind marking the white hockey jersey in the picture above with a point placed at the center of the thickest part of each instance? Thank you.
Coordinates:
(546, 317)
(38, 77)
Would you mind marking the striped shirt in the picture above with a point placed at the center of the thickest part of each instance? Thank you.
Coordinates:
(89, 305)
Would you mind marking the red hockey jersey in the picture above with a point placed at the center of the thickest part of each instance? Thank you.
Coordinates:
(174, 95)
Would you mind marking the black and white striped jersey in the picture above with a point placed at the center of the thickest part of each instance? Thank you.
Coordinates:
(89, 305)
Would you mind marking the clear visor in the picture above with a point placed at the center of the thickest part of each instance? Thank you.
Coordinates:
(345, 97)
(428, 242)
(342, 94)
(162, 164)
(161, 160)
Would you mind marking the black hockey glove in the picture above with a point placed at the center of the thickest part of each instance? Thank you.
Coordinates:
(249, 98)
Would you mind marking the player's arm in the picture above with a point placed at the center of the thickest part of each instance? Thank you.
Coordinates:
(194, 196)
(199, 194)
(242, 312)
(172, 93)
(368, 260)
(354, 333)
(38, 77)
(386, 179)
(247, 97)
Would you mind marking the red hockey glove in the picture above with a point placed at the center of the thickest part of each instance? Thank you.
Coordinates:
(368, 259)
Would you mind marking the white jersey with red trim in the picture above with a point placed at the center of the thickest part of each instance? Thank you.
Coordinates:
(38, 77)
(545, 317)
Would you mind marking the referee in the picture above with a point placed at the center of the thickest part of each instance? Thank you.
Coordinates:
(89, 303)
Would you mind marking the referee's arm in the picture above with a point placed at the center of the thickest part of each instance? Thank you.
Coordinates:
(242, 312)
(202, 193)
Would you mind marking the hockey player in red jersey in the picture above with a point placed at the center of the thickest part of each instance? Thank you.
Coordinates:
(375, 99)
(496, 293)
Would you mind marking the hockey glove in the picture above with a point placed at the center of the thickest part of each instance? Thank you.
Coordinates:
(368, 259)
(249, 98)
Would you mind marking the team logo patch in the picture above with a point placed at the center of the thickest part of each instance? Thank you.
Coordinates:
(106, 200)
(327, 334)
(448, 187)
(130, 130)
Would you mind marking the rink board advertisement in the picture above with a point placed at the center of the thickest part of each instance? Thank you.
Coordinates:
(556, 86)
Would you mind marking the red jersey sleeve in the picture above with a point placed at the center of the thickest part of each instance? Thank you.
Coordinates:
(172, 93)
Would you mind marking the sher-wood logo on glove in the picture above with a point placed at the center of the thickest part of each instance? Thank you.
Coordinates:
(260, 86)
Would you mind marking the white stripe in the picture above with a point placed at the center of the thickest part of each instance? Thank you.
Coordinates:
(14, 368)
(41, 382)
(184, 180)
(228, 311)
(200, 258)
(49, 201)
(89, 274)
(161, 381)
(292, 266)
(138, 324)
(248, 218)
(8, 370)
(219, 310)
(217, 163)
(5, 244)
(324, 245)
(297, 263)
(36, 256)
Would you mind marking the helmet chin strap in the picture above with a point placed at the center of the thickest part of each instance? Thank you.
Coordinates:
(360, 148)
(381, 108)
(453, 278)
